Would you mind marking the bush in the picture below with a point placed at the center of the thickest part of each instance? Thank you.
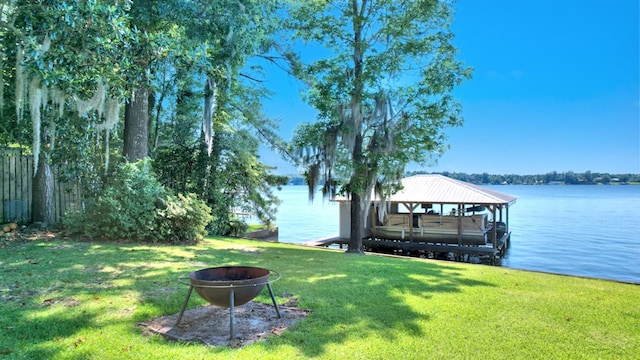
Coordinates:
(237, 226)
(134, 206)
(184, 218)
(226, 223)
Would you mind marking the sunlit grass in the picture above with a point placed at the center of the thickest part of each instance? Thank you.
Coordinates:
(75, 300)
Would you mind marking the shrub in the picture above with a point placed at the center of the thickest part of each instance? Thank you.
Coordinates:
(237, 226)
(134, 206)
(183, 218)
(225, 222)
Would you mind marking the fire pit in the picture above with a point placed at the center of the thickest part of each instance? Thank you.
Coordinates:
(230, 286)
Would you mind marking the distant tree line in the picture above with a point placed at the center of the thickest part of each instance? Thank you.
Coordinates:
(551, 178)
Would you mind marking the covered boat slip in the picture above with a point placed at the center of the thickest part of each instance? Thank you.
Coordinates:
(437, 214)
(461, 230)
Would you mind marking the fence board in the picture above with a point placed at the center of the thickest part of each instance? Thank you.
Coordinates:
(4, 186)
(12, 177)
(27, 175)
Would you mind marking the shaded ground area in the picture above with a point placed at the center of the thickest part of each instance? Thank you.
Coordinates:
(210, 324)
(24, 234)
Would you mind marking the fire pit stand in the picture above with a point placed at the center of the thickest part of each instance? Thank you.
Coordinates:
(229, 286)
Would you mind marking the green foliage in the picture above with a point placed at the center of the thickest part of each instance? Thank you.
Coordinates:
(213, 41)
(67, 48)
(236, 226)
(134, 206)
(230, 178)
(383, 91)
(183, 219)
(88, 41)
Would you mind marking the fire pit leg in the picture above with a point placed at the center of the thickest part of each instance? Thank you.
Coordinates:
(184, 306)
(273, 298)
(231, 314)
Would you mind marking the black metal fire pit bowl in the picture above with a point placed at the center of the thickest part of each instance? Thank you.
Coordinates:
(229, 286)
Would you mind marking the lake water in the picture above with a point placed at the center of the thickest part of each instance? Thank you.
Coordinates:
(583, 230)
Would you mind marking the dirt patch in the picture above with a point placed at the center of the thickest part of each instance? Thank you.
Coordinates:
(210, 325)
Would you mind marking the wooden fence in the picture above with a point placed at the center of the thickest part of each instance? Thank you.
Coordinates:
(16, 179)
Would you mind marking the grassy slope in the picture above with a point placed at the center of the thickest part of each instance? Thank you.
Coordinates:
(83, 300)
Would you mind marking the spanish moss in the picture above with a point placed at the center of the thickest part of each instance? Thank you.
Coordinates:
(210, 95)
(35, 102)
(111, 116)
(58, 99)
(96, 102)
(20, 83)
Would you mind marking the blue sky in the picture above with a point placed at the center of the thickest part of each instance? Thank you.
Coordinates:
(555, 88)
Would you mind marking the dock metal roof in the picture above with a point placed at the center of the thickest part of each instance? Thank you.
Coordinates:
(439, 189)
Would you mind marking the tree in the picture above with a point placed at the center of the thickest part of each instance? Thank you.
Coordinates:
(62, 60)
(383, 94)
(221, 165)
(151, 21)
(76, 59)
(210, 39)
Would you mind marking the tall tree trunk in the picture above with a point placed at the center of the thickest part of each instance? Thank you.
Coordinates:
(136, 125)
(357, 217)
(355, 238)
(42, 189)
(356, 181)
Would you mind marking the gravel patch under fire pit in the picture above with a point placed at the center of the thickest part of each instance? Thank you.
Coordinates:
(210, 324)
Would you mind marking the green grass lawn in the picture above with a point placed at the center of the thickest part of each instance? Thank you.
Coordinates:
(82, 300)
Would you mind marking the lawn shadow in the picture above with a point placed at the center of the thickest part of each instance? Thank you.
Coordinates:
(353, 295)
(348, 295)
(26, 331)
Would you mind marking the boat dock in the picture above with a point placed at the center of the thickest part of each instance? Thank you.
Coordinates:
(432, 216)
(429, 250)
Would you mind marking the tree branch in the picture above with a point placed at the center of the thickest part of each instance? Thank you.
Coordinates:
(251, 78)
